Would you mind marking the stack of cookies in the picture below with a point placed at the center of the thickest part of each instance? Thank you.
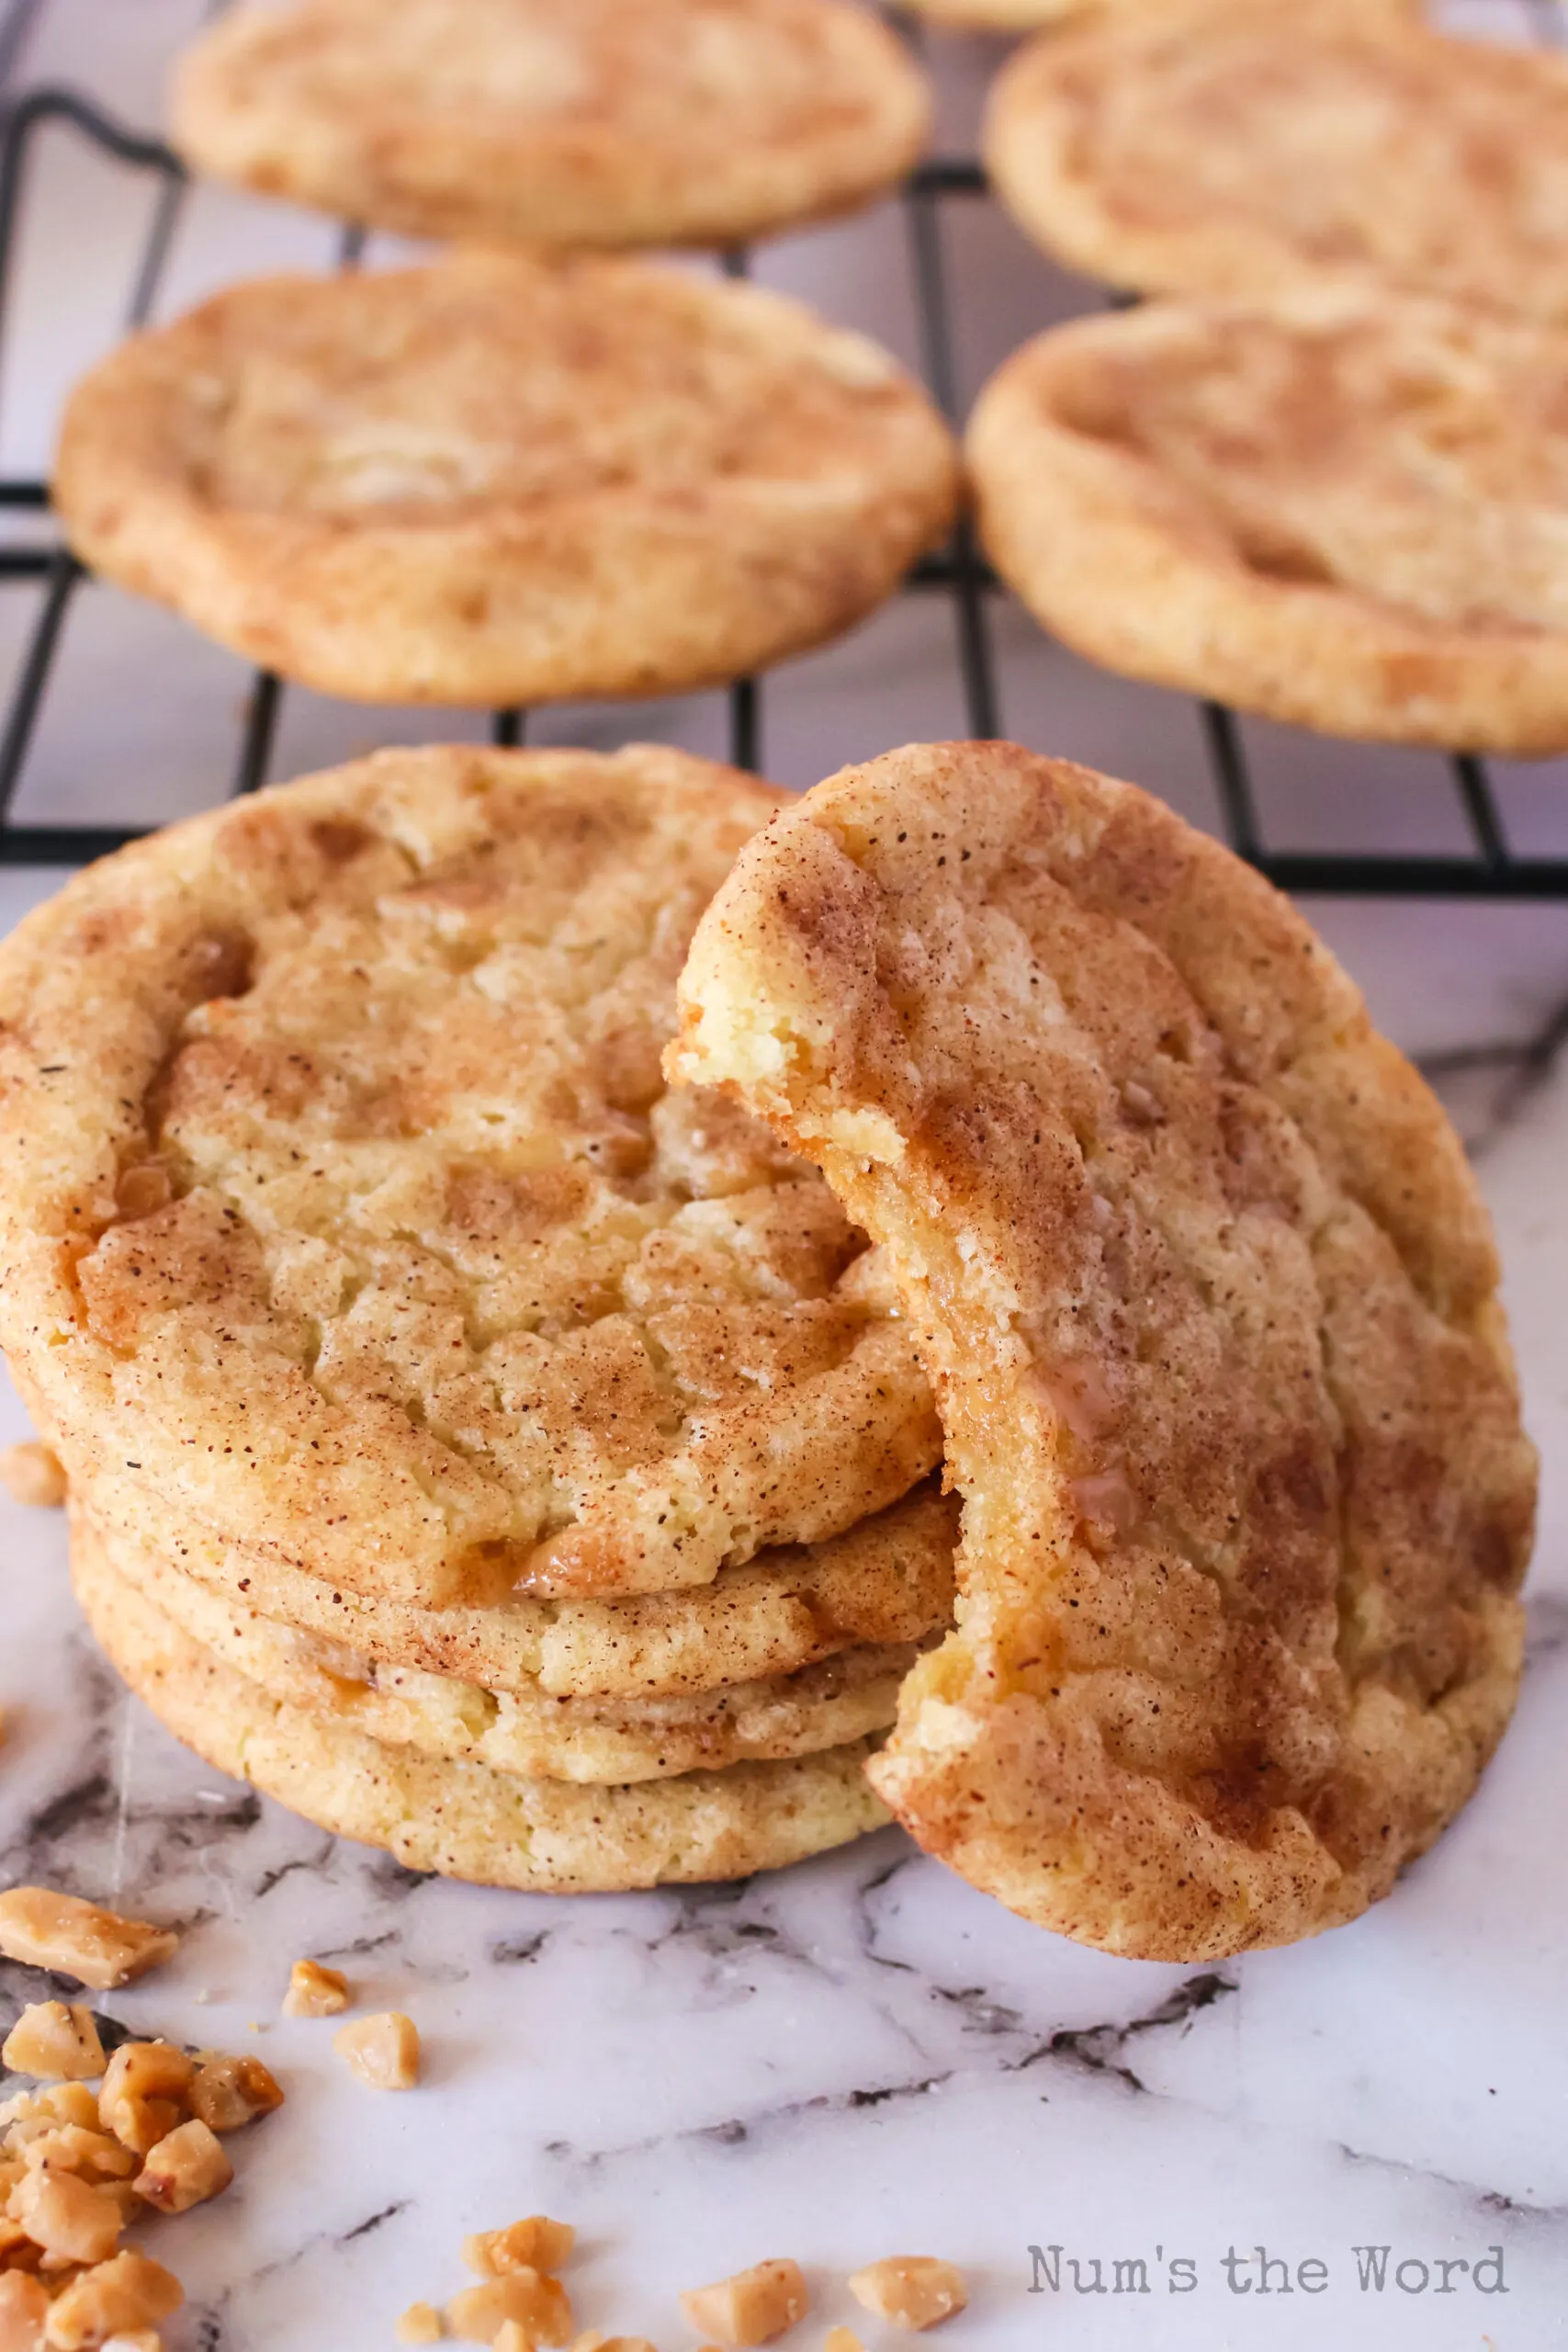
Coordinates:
(504, 1428)
(515, 1463)
(491, 1454)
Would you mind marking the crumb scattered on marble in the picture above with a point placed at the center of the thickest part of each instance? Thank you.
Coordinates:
(144, 2091)
(534, 2244)
(67, 2157)
(421, 2323)
(314, 1991)
(53, 2040)
(186, 2167)
(127, 2293)
(750, 2308)
(382, 2050)
(32, 1475)
(540, 2306)
(912, 2290)
(61, 1932)
(230, 2092)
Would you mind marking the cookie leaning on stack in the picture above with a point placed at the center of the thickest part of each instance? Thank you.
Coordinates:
(352, 1248)
(1211, 1298)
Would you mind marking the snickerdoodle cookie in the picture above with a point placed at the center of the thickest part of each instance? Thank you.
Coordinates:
(1211, 1298)
(501, 480)
(586, 123)
(1230, 154)
(1348, 511)
(1027, 15)
(342, 1203)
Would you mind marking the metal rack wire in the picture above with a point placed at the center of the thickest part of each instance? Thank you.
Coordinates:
(958, 572)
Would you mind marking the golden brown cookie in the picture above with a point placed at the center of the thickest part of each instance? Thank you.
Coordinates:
(604, 123)
(463, 1819)
(1270, 144)
(1350, 510)
(1027, 15)
(596, 1740)
(1211, 1298)
(341, 1205)
(887, 1580)
(500, 480)
(996, 16)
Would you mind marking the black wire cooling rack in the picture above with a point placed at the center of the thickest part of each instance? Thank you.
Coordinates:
(52, 575)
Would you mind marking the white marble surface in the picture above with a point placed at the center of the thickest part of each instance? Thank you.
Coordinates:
(861, 2055)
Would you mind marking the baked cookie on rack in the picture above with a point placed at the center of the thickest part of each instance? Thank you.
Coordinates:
(1027, 16)
(461, 1817)
(1348, 511)
(1233, 152)
(342, 1203)
(498, 480)
(599, 124)
(1209, 1296)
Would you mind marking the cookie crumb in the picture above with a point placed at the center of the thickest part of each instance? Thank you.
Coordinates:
(314, 1991)
(185, 2168)
(750, 2308)
(228, 2093)
(540, 2306)
(843, 2339)
(32, 1474)
(23, 2308)
(534, 2244)
(99, 1947)
(114, 2298)
(421, 2323)
(53, 2041)
(912, 2290)
(72, 2218)
(144, 2095)
(383, 2050)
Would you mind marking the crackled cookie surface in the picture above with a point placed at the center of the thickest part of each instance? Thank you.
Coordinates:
(1257, 145)
(341, 1205)
(1209, 1296)
(501, 480)
(1348, 511)
(557, 122)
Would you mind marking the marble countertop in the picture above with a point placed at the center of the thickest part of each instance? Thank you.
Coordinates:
(860, 2056)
